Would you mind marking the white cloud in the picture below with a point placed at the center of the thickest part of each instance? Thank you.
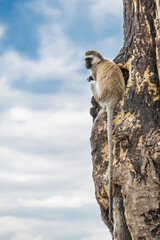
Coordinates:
(43, 7)
(104, 235)
(75, 200)
(100, 9)
(32, 167)
(58, 56)
(19, 177)
(72, 100)
(104, 12)
(34, 229)
(27, 236)
(11, 224)
(49, 9)
(14, 67)
(59, 127)
(43, 176)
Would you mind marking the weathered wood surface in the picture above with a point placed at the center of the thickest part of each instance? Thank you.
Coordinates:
(136, 131)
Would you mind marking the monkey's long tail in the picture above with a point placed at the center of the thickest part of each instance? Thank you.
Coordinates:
(110, 149)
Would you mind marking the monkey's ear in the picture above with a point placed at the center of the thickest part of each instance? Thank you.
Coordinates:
(99, 56)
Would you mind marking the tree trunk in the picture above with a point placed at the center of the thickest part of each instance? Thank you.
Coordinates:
(136, 132)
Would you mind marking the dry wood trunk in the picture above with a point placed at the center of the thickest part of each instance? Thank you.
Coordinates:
(136, 132)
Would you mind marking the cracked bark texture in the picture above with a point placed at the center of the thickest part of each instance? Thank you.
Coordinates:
(136, 132)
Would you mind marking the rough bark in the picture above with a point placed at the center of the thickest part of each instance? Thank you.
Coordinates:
(136, 132)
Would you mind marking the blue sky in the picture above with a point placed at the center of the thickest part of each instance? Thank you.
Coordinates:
(46, 186)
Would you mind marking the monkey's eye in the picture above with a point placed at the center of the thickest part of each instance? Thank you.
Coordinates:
(88, 59)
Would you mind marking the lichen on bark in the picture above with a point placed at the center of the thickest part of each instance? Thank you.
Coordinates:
(136, 132)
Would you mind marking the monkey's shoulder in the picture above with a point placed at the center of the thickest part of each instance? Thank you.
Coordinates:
(107, 69)
(106, 65)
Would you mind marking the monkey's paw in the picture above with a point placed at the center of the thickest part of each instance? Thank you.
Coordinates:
(90, 78)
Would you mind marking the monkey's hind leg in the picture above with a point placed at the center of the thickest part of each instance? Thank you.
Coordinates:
(102, 110)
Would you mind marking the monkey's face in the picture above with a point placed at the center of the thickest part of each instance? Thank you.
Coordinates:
(88, 62)
(92, 58)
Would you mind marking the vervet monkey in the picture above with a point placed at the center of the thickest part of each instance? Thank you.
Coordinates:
(108, 86)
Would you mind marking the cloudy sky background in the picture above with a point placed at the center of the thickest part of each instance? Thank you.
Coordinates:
(46, 187)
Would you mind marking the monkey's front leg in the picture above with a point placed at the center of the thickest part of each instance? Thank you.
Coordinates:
(95, 90)
(90, 78)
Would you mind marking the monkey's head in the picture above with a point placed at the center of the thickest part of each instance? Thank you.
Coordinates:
(92, 58)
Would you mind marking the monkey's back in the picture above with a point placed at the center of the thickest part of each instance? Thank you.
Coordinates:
(110, 82)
